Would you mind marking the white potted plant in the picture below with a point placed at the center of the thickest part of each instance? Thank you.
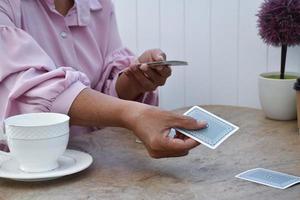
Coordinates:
(279, 25)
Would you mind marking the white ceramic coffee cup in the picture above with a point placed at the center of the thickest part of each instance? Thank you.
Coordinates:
(37, 140)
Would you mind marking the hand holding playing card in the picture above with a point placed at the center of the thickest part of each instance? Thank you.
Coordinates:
(149, 78)
(140, 78)
(217, 131)
(152, 127)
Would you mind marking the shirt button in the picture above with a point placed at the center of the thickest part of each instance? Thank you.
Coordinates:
(63, 34)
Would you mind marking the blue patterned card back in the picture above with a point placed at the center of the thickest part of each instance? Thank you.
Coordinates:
(216, 132)
(269, 178)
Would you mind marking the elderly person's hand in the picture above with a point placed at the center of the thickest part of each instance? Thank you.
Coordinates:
(140, 78)
(152, 126)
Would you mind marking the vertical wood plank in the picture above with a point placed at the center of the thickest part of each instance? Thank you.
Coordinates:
(252, 54)
(292, 60)
(222, 46)
(197, 27)
(224, 52)
(127, 21)
(273, 59)
(147, 25)
(172, 42)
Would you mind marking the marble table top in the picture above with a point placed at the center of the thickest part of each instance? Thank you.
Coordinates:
(123, 170)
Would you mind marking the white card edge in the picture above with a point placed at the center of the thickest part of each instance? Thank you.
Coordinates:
(259, 168)
(249, 170)
(191, 136)
(223, 120)
(261, 183)
(206, 144)
(236, 128)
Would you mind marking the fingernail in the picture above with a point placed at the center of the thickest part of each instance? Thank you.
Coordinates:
(203, 123)
(143, 67)
(138, 65)
(160, 57)
(126, 72)
(160, 68)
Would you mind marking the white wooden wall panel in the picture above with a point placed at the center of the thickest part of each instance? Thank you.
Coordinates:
(293, 59)
(218, 38)
(273, 57)
(292, 62)
(148, 25)
(249, 44)
(198, 73)
(224, 52)
(172, 42)
(127, 22)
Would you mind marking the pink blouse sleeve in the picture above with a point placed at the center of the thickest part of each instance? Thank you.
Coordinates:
(117, 59)
(29, 79)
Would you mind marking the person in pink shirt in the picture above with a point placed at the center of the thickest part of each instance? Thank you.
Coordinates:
(66, 56)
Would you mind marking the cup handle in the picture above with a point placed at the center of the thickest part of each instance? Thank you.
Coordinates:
(2, 134)
(3, 137)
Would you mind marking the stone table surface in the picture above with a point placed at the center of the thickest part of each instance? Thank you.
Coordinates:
(123, 170)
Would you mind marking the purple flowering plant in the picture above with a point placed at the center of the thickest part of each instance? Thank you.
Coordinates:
(279, 25)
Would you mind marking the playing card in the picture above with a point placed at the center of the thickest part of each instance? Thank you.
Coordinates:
(216, 132)
(270, 178)
(168, 63)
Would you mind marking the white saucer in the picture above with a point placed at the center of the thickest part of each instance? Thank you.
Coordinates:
(71, 162)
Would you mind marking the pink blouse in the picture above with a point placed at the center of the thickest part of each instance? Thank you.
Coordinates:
(46, 59)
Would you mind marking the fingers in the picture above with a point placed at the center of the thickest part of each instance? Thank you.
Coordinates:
(153, 75)
(164, 55)
(131, 68)
(164, 71)
(152, 56)
(173, 147)
(186, 122)
(167, 154)
(148, 79)
(179, 135)
(142, 79)
(177, 144)
(157, 75)
(158, 55)
(180, 145)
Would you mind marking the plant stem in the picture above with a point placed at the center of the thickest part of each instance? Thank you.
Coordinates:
(283, 60)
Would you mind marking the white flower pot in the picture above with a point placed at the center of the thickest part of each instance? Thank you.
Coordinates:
(277, 96)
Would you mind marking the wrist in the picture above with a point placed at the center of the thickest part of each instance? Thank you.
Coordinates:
(131, 113)
(137, 61)
(126, 88)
